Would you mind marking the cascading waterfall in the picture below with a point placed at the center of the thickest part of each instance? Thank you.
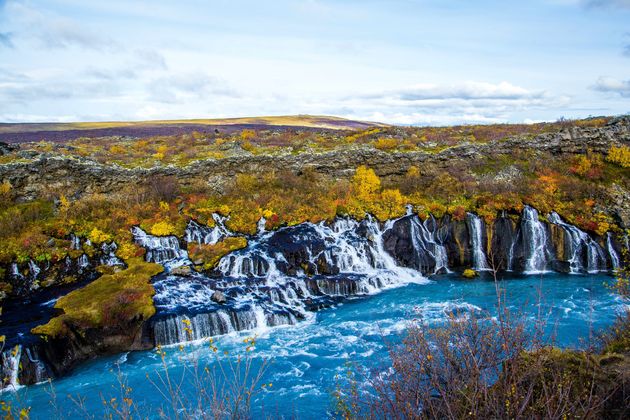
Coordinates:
(425, 241)
(75, 242)
(534, 242)
(15, 271)
(476, 227)
(161, 249)
(283, 274)
(614, 257)
(585, 253)
(33, 269)
(271, 287)
(205, 234)
(260, 226)
(40, 371)
(83, 262)
(109, 254)
(11, 367)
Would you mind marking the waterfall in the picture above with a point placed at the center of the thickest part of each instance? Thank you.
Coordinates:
(181, 328)
(425, 241)
(614, 257)
(83, 262)
(11, 367)
(163, 250)
(476, 229)
(75, 242)
(40, 372)
(260, 226)
(534, 242)
(15, 272)
(207, 235)
(266, 284)
(585, 253)
(109, 254)
(33, 269)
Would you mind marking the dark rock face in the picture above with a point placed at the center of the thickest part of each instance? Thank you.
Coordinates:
(398, 243)
(404, 244)
(503, 236)
(299, 246)
(458, 247)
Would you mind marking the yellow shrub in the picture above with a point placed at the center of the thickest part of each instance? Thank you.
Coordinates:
(620, 156)
(128, 250)
(413, 172)
(366, 183)
(162, 228)
(98, 236)
(117, 150)
(248, 134)
(390, 205)
(248, 146)
(386, 143)
(5, 188)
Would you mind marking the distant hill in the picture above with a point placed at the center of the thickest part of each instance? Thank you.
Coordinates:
(59, 132)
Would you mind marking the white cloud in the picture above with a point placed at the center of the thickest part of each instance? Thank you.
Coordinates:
(612, 85)
(471, 101)
(188, 86)
(54, 31)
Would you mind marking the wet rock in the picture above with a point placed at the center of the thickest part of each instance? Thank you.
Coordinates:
(219, 297)
(183, 270)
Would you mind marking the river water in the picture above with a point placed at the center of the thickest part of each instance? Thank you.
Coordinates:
(305, 359)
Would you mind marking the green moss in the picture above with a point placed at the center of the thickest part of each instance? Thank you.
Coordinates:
(209, 255)
(111, 300)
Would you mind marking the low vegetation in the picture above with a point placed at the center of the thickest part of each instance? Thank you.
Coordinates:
(207, 256)
(113, 300)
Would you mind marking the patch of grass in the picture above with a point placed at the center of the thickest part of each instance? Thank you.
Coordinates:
(111, 300)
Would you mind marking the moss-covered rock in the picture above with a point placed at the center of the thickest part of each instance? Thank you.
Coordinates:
(209, 255)
(111, 300)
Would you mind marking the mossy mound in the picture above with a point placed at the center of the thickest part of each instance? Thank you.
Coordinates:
(208, 256)
(110, 301)
(469, 273)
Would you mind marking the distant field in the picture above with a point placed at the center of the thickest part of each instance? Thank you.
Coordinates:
(59, 132)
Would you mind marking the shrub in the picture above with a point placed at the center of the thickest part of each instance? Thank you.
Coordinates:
(365, 183)
(619, 155)
(163, 228)
(386, 143)
(97, 236)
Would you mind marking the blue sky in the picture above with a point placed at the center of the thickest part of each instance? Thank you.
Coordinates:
(396, 61)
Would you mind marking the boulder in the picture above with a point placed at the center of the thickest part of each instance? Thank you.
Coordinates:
(219, 297)
(183, 270)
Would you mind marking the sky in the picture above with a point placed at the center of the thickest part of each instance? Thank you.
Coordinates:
(419, 62)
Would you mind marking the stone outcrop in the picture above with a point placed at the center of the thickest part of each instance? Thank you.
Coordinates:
(78, 175)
